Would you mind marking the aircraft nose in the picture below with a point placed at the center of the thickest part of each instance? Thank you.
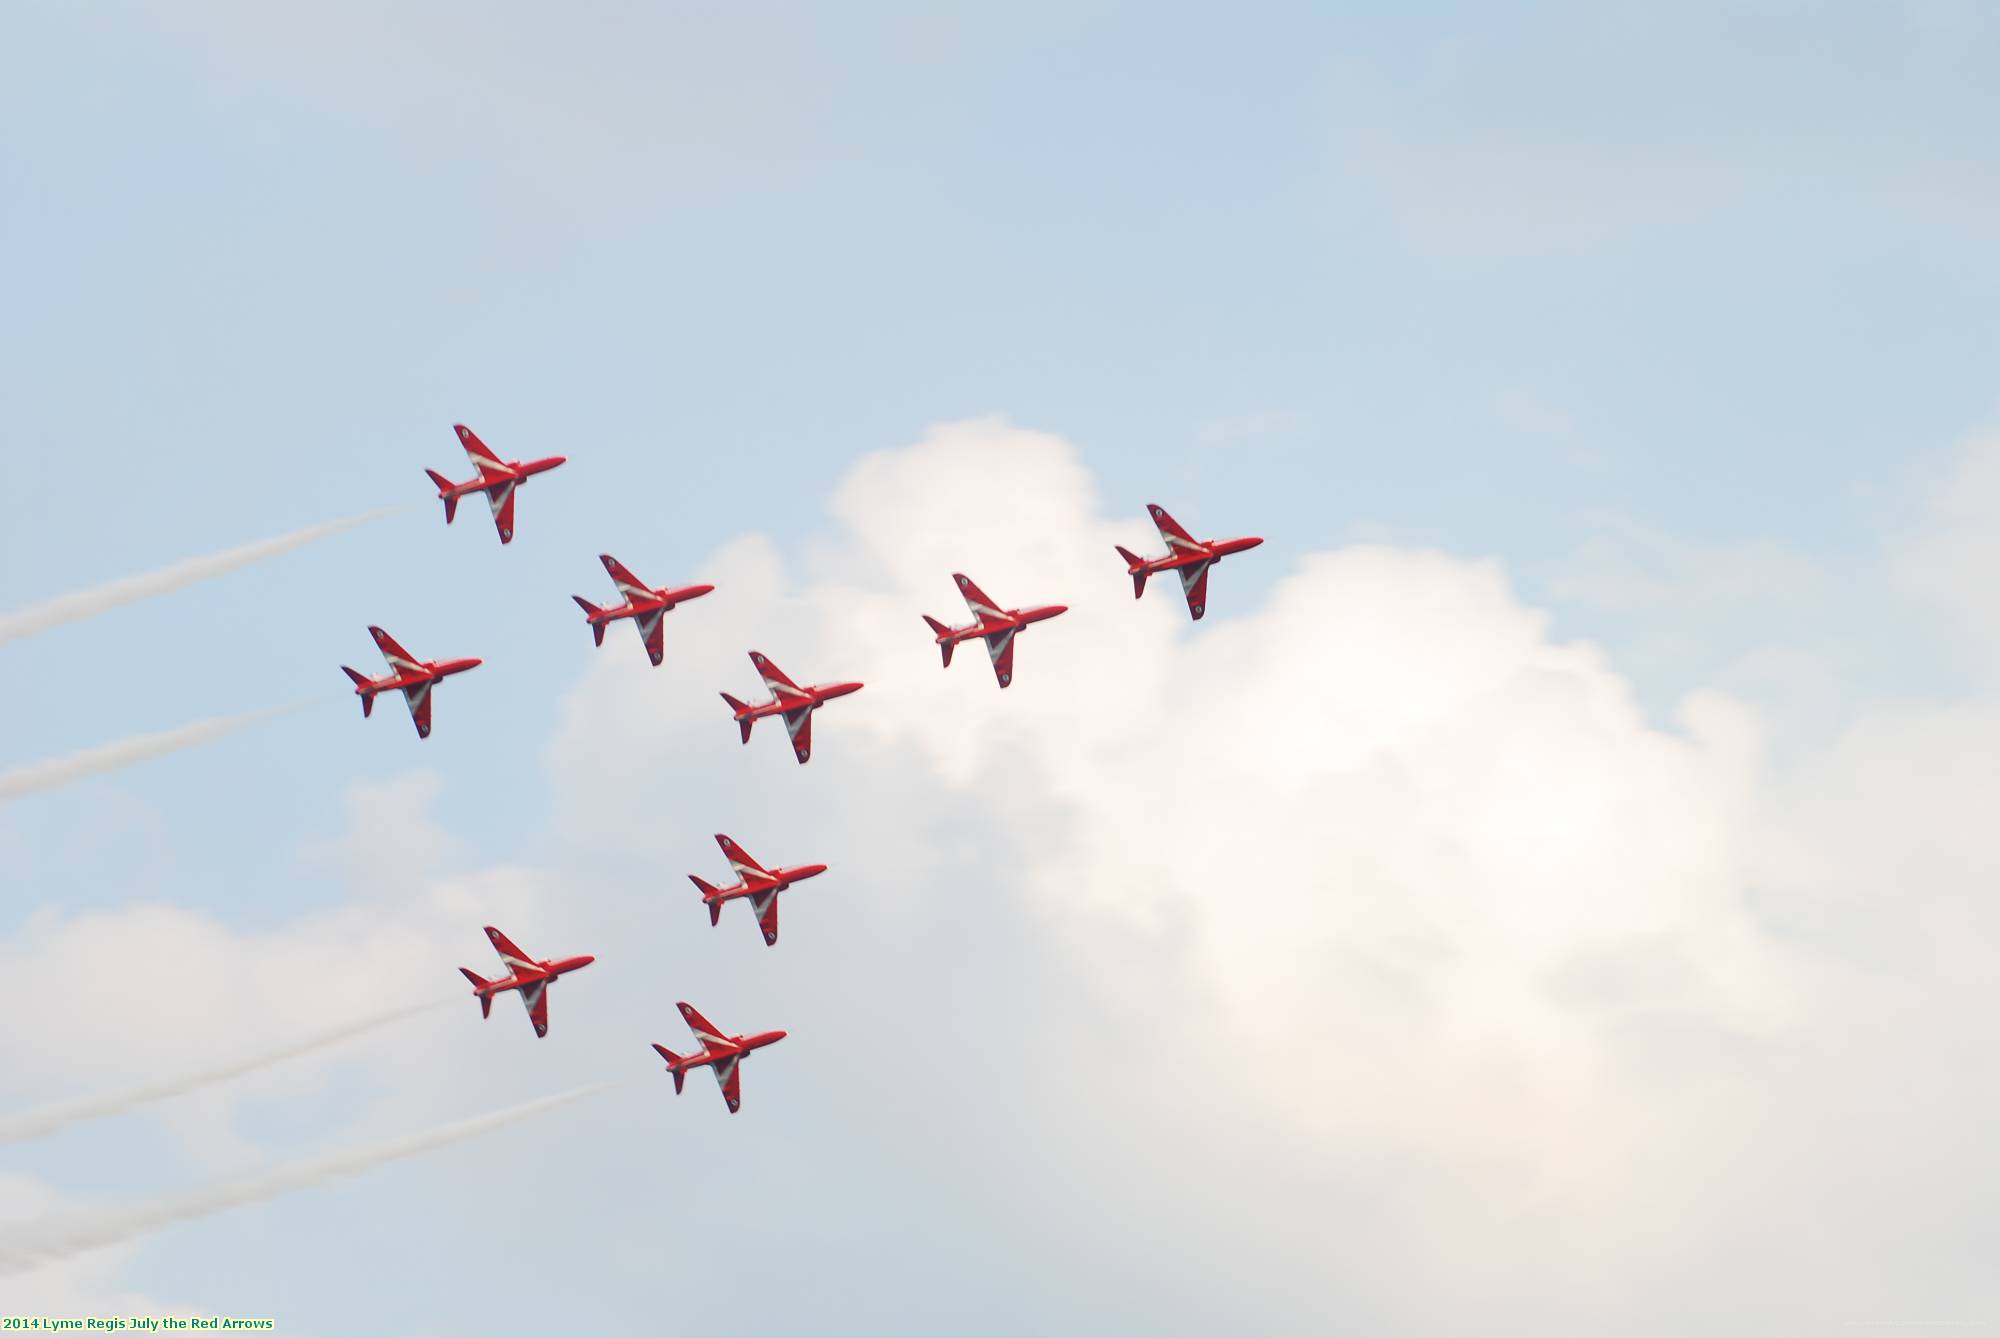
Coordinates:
(583, 961)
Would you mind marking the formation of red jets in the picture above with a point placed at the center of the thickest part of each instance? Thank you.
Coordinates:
(647, 608)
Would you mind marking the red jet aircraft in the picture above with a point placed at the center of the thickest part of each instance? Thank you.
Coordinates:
(412, 677)
(788, 699)
(995, 624)
(646, 606)
(1189, 557)
(754, 881)
(525, 974)
(723, 1053)
(495, 479)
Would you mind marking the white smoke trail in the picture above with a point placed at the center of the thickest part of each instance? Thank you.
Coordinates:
(84, 603)
(55, 771)
(35, 1243)
(48, 1119)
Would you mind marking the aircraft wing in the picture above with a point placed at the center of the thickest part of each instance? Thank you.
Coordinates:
(1194, 584)
(780, 686)
(399, 659)
(983, 608)
(483, 459)
(728, 1076)
(704, 1030)
(536, 997)
(1177, 540)
(501, 499)
(418, 695)
(799, 724)
(651, 631)
(1000, 649)
(628, 585)
(739, 859)
(766, 906)
(511, 956)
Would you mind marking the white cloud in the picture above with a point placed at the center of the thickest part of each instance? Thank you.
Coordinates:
(1953, 557)
(74, 1288)
(1395, 877)
(156, 992)
(1363, 955)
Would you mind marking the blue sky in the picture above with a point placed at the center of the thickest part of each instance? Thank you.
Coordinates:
(1683, 316)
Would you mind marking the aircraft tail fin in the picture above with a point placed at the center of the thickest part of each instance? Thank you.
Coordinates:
(445, 494)
(361, 680)
(942, 631)
(479, 983)
(708, 890)
(591, 611)
(1135, 566)
(673, 1066)
(743, 719)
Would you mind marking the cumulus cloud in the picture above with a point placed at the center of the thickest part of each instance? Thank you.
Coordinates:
(155, 993)
(72, 1288)
(1361, 956)
(1952, 557)
(1439, 906)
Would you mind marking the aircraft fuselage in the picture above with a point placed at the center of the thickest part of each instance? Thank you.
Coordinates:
(777, 880)
(516, 471)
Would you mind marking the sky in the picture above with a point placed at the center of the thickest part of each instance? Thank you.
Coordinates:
(1550, 892)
